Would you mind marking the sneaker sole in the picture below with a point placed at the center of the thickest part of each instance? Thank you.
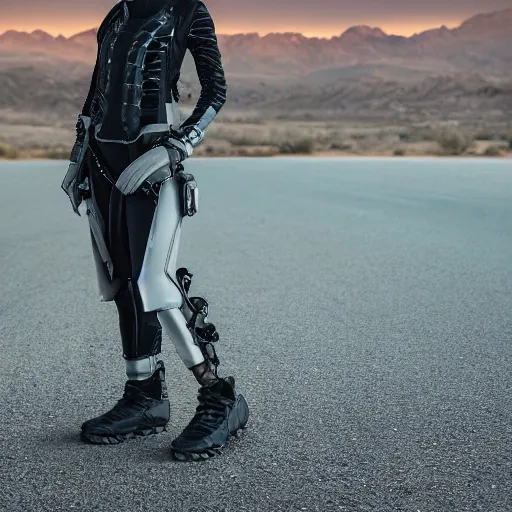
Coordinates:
(207, 454)
(120, 438)
(212, 452)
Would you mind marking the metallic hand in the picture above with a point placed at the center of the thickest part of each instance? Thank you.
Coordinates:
(178, 146)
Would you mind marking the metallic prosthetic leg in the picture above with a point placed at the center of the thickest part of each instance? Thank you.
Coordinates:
(221, 412)
(195, 310)
(165, 290)
(157, 297)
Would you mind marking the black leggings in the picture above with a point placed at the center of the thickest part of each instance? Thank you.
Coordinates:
(127, 223)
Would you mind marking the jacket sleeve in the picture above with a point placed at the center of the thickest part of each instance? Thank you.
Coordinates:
(202, 43)
(86, 109)
(114, 13)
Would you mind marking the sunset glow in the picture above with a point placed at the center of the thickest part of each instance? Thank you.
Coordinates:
(322, 18)
(406, 28)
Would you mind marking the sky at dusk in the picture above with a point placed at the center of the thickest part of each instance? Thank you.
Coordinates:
(322, 18)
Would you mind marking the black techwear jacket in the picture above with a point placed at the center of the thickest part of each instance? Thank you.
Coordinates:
(146, 85)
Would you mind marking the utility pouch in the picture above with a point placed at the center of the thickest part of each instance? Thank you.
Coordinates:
(189, 193)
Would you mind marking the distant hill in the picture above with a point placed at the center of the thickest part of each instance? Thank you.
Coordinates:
(481, 43)
(437, 72)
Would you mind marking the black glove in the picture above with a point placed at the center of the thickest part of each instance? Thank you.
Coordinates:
(81, 133)
(81, 130)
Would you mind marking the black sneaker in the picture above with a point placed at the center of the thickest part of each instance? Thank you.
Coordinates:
(143, 410)
(220, 414)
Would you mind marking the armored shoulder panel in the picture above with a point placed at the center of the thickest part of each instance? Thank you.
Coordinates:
(116, 13)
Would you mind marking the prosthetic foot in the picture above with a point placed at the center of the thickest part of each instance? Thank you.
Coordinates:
(143, 410)
(220, 414)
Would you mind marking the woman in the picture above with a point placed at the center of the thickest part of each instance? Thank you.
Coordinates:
(126, 165)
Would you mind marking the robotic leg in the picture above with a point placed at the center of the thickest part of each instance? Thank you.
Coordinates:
(164, 288)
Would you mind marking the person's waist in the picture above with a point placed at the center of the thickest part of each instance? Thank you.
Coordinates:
(146, 136)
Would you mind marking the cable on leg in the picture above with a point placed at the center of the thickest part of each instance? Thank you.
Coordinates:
(204, 333)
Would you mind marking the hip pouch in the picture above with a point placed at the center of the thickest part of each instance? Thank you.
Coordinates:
(188, 192)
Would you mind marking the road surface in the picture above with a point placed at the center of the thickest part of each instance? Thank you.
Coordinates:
(364, 307)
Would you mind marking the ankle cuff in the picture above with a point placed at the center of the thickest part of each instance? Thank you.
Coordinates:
(141, 369)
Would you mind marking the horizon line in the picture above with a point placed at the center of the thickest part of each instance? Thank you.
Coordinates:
(415, 29)
(306, 34)
(56, 35)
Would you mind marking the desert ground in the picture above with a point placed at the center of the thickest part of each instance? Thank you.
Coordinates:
(237, 134)
(441, 92)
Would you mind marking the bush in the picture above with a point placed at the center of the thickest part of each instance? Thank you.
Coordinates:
(341, 146)
(263, 151)
(9, 152)
(243, 140)
(302, 146)
(486, 135)
(399, 152)
(492, 151)
(454, 142)
(57, 154)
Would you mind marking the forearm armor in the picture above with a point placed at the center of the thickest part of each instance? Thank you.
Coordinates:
(202, 43)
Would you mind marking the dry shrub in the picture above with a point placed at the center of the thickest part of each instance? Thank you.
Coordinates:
(255, 151)
(486, 134)
(57, 154)
(244, 140)
(214, 148)
(301, 146)
(399, 152)
(326, 138)
(492, 151)
(495, 131)
(341, 146)
(370, 143)
(9, 152)
(453, 141)
(256, 140)
(423, 132)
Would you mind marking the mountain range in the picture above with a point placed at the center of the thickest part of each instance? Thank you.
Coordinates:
(288, 70)
(483, 42)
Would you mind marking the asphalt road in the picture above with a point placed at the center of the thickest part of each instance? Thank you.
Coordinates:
(364, 307)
